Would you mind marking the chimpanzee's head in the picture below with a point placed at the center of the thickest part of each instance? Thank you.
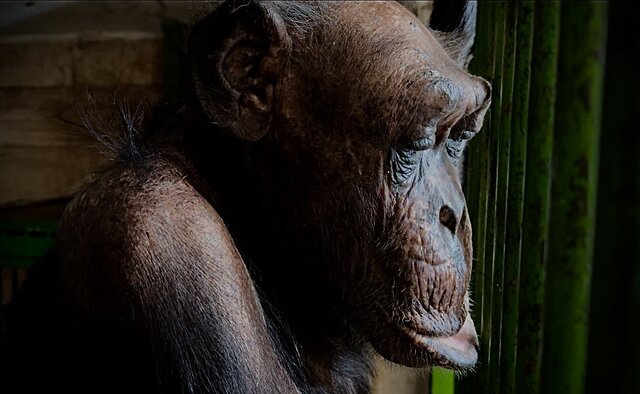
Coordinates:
(370, 116)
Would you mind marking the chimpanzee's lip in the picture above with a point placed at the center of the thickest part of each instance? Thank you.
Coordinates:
(458, 351)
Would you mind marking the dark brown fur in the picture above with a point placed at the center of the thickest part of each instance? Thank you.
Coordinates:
(281, 226)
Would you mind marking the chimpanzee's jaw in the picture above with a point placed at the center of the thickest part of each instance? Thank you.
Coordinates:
(406, 346)
(459, 351)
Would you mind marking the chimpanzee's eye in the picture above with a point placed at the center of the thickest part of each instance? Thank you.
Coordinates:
(403, 163)
(406, 156)
(465, 129)
(455, 148)
(462, 135)
(457, 141)
(423, 143)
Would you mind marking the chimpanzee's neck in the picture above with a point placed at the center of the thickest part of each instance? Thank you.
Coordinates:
(286, 268)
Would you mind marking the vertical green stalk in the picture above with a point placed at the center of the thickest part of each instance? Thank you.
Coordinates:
(537, 194)
(616, 262)
(482, 147)
(477, 168)
(499, 22)
(482, 65)
(504, 140)
(577, 135)
(515, 202)
(442, 381)
(473, 165)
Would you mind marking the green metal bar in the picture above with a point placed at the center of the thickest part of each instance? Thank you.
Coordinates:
(477, 168)
(577, 135)
(513, 242)
(20, 252)
(537, 195)
(442, 381)
(483, 65)
(502, 186)
(23, 242)
(499, 21)
(35, 227)
(615, 289)
(478, 152)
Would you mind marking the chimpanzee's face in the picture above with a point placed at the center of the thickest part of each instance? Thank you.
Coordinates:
(373, 117)
(367, 117)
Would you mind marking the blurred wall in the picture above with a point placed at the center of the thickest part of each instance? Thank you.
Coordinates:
(53, 55)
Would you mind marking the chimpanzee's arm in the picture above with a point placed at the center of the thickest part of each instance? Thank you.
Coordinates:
(155, 256)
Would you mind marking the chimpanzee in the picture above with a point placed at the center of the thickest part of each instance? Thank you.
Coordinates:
(300, 212)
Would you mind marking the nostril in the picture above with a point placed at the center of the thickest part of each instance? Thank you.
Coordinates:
(448, 218)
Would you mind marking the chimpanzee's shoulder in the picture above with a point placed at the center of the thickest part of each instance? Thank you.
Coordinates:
(128, 210)
(128, 189)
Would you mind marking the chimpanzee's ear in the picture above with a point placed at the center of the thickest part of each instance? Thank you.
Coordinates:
(237, 55)
(456, 21)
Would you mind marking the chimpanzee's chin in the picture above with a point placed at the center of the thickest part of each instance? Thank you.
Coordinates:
(409, 348)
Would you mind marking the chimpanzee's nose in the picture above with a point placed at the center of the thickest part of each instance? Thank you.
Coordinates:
(448, 219)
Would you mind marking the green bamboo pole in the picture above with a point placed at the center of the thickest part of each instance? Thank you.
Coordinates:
(483, 65)
(477, 168)
(616, 264)
(577, 134)
(516, 196)
(442, 381)
(537, 195)
(502, 186)
(610, 288)
(499, 22)
(491, 193)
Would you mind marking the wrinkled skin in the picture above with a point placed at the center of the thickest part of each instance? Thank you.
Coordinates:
(387, 154)
(303, 206)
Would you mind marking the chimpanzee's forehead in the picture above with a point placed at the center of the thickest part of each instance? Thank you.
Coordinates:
(387, 21)
(384, 44)
(385, 32)
(396, 71)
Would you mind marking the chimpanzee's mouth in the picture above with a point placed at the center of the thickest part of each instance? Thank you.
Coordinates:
(413, 348)
(458, 351)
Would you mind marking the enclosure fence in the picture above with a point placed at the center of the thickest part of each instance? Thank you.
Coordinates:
(532, 186)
